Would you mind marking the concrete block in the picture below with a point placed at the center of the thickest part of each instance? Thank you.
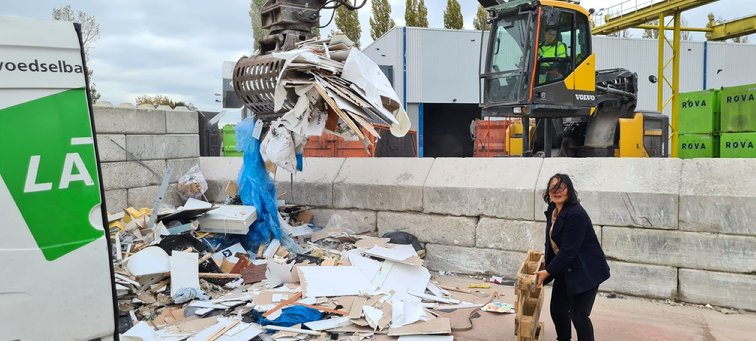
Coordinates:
(681, 249)
(496, 187)
(145, 196)
(181, 122)
(125, 120)
(469, 260)
(149, 147)
(510, 235)
(181, 166)
(116, 200)
(642, 280)
(428, 228)
(387, 184)
(359, 221)
(619, 192)
(717, 288)
(718, 195)
(130, 174)
(313, 186)
(109, 151)
(221, 168)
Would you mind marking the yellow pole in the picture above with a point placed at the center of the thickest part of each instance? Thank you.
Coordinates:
(675, 81)
(661, 61)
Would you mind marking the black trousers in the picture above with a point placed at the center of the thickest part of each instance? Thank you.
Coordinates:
(575, 309)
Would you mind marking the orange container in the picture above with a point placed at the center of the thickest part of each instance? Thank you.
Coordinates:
(329, 145)
(490, 138)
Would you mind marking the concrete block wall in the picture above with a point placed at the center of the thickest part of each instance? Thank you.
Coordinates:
(159, 138)
(671, 229)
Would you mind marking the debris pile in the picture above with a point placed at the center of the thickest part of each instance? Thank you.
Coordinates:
(329, 85)
(187, 277)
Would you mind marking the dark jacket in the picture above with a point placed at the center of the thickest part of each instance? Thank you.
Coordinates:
(580, 259)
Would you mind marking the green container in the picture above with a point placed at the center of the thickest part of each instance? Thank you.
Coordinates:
(231, 151)
(691, 146)
(699, 112)
(229, 135)
(738, 145)
(738, 106)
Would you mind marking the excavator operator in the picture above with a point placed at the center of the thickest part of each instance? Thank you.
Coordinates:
(550, 48)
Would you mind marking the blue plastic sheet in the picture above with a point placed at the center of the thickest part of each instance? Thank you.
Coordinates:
(256, 188)
(289, 316)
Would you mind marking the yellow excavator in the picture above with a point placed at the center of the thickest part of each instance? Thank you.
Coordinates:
(540, 67)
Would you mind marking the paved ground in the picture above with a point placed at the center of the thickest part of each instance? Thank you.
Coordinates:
(619, 319)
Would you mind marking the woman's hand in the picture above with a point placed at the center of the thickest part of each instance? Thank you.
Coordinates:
(541, 276)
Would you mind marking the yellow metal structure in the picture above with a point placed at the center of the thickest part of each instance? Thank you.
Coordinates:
(514, 139)
(731, 29)
(631, 137)
(584, 76)
(645, 14)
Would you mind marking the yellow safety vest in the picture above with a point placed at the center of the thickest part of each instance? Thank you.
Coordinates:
(559, 50)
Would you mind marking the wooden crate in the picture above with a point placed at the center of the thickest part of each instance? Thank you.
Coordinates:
(529, 299)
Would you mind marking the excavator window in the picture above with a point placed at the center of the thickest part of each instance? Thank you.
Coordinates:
(555, 50)
(583, 46)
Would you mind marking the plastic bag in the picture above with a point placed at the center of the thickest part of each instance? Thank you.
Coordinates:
(256, 188)
(289, 316)
(279, 147)
(192, 184)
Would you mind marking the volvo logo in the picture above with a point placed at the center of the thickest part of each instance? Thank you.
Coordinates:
(584, 97)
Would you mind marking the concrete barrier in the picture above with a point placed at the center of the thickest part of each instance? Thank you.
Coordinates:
(642, 280)
(620, 192)
(482, 186)
(717, 288)
(359, 221)
(391, 184)
(429, 228)
(128, 120)
(718, 195)
(470, 260)
(313, 186)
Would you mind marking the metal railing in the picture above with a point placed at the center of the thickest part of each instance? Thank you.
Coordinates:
(603, 14)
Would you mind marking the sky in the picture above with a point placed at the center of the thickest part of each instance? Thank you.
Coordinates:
(177, 47)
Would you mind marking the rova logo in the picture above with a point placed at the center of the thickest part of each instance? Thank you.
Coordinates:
(694, 146)
(693, 104)
(583, 97)
(739, 145)
(740, 98)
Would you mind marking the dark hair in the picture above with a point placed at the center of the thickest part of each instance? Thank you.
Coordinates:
(562, 179)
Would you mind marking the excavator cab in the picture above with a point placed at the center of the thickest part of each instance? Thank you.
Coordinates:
(539, 61)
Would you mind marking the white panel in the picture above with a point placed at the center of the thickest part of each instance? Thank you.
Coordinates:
(736, 62)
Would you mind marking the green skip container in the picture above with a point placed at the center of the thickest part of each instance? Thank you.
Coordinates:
(691, 146)
(699, 112)
(738, 145)
(738, 105)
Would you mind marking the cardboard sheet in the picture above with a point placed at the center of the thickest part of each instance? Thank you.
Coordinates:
(150, 260)
(439, 325)
(329, 323)
(333, 281)
(184, 271)
(398, 253)
(426, 338)
(402, 278)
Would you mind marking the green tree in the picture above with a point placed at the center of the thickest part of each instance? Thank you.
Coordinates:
(422, 14)
(255, 8)
(481, 19)
(453, 15)
(410, 13)
(348, 22)
(90, 33)
(158, 100)
(381, 21)
(651, 33)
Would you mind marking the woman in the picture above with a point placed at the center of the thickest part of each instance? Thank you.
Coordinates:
(574, 260)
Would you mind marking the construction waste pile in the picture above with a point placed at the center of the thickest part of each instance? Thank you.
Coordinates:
(180, 281)
(324, 85)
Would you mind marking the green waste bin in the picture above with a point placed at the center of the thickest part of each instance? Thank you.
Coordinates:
(229, 135)
(699, 112)
(690, 146)
(738, 145)
(738, 105)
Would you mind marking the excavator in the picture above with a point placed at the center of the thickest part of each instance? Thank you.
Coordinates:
(576, 110)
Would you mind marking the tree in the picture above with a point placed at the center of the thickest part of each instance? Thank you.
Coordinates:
(453, 15)
(422, 14)
(381, 21)
(410, 13)
(255, 8)
(481, 19)
(651, 33)
(159, 100)
(90, 32)
(348, 22)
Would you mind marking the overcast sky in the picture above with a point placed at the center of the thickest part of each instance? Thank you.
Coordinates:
(177, 47)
